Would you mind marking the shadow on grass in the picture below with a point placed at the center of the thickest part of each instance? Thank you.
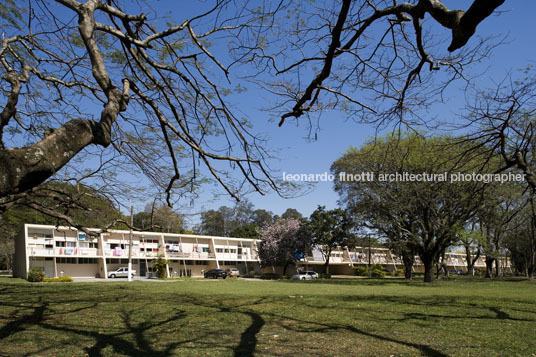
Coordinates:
(22, 322)
(248, 339)
(135, 338)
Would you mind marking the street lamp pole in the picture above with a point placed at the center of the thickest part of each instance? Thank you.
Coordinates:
(130, 243)
(369, 257)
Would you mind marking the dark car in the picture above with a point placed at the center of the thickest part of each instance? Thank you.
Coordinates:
(215, 274)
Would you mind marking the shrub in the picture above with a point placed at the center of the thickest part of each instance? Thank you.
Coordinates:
(398, 272)
(270, 276)
(360, 271)
(61, 279)
(160, 267)
(324, 276)
(377, 273)
(35, 275)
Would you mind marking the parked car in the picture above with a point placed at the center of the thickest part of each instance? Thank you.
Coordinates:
(233, 272)
(457, 272)
(305, 275)
(121, 273)
(215, 274)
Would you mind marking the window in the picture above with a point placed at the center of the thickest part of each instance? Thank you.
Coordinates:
(124, 261)
(201, 262)
(71, 244)
(87, 261)
(60, 244)
(206, 250)
(66, 260)
(219, 250)
(93, 244)
(83, 244)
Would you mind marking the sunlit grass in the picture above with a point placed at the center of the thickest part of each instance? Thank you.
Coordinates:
(236, 317)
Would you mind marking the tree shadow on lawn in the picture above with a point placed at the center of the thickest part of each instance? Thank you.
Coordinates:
(432, 301)
(117, 340)
(415, 282)
(248, 340)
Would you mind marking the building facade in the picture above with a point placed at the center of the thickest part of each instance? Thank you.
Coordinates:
(66, 251)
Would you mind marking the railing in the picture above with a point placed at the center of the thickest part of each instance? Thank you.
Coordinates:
(192, 255)
(63, 251)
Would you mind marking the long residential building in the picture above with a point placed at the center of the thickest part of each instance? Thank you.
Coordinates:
(70, 252)
(67, 251)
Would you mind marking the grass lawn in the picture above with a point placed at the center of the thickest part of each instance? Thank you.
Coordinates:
(288, 318)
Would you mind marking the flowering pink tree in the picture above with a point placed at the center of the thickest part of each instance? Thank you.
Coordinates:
(282, 242)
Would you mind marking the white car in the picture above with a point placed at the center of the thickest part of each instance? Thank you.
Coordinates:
(121, 273)
(305, 275)
(234, 272)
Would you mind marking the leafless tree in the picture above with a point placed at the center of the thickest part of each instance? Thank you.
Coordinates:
(91, 78)
(503, 120)
(147, 93)
(379, 61)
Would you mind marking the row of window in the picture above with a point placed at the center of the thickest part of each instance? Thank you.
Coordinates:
(76, 260)
(225, 250)
(61, 244)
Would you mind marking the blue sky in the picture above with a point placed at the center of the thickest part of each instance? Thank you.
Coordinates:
(336, 132)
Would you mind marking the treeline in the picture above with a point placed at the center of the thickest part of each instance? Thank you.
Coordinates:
(424, 217)
(242, 220)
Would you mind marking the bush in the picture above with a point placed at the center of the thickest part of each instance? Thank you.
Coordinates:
(377, 273)
(160, 266)
(270, 276)
(61, 279)
(360, 271)
(324, 276)
(399, 272)
(35, 275)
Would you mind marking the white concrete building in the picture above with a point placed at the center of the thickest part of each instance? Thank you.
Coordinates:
(67, 251)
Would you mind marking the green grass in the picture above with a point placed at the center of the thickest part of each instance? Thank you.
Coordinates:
(265, 318)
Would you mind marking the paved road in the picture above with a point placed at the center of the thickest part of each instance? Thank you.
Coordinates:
(121, 280)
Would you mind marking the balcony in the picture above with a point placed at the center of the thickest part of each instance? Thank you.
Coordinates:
(192, 255)
(123, 253)
(63, 252)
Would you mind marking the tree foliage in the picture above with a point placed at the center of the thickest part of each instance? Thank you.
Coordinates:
(420, 215)
(159, 218)
(329, 230)
(282, 242)
(93, 88)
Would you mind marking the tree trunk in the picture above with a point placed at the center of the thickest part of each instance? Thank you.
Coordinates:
(489, 267)
(428, 272)
(471, 262)
(428, 262)
(408, 265)
(285, 269)
(325, 266)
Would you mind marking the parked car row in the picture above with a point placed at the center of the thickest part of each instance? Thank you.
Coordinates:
(220, 273)
(122, 272)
